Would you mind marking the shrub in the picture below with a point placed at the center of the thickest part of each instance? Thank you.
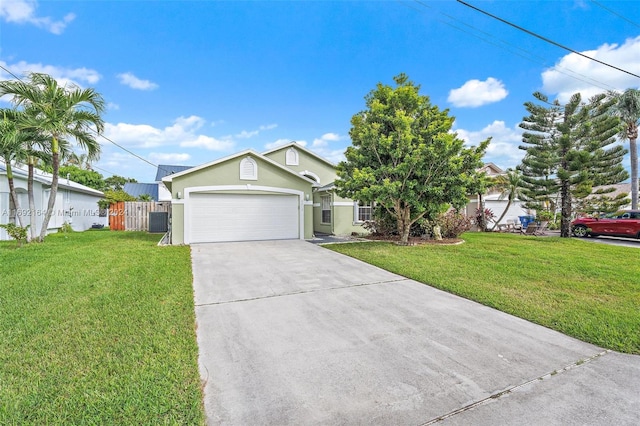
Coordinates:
(481, 221)
(383, 224)
(18, 233)
(453, 224)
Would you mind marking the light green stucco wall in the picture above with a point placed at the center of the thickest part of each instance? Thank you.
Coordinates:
(228, 173)
(177, 223)
(341, 216)
(325, 171)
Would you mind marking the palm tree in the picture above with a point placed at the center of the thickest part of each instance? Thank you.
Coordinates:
(57, 112)
(82, 161)
(627, 108)
(17, 146)
(12, 148)
(510, 187)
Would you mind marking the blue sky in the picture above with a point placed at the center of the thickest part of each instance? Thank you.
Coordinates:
(188, 82)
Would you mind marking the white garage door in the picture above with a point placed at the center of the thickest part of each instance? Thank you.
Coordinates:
(241, 217)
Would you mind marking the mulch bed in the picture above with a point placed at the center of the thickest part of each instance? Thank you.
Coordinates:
(415, 241)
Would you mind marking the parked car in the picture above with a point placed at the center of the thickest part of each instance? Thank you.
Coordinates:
(623, 223)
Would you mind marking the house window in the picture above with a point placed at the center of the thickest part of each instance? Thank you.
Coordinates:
(291, 157)
(326, 208)
(362, 211)
(248, 169)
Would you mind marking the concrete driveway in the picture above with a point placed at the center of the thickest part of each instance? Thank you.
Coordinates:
(293, 334)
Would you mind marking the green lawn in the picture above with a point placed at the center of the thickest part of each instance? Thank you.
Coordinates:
(98, 328)
(589, 291)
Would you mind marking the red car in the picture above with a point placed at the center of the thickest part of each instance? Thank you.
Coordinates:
(624, 223)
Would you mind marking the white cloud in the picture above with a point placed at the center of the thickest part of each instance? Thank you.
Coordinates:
(475, 93)
(24, 12)
(281, 142)
(594, 77)
(503, 149)
(64, 76)
(128, 79)
(208, 142)
(169, 158)
(246, 134)
(183, 132)
(325, 139)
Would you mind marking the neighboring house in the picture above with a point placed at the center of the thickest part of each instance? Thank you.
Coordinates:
(136, 189)
(156, 190)
(166, 170)
(75, 204)
(493, 202)
(284, 193)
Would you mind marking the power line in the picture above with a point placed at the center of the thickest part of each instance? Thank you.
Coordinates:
(96, 133)
(509, 47)
(615, 13)
(546, 39)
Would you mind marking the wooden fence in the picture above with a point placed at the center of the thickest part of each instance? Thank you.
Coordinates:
(134, 215)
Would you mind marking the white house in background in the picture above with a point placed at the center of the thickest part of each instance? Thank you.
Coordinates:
(493, 202)
(75, 204)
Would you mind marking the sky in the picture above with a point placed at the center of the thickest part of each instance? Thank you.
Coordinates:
(189, 82)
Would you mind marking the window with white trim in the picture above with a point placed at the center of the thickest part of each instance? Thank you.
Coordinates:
(362, 211)
(326, 208)
(291, 157)
(248, 169)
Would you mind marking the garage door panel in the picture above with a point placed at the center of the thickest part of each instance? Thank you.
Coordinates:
(242, 217)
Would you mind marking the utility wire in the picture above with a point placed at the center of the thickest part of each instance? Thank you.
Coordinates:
(546, 39)
(99, 134)
(509, 46)
(615, 13)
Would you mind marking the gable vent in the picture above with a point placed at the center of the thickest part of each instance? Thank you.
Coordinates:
(248, 169)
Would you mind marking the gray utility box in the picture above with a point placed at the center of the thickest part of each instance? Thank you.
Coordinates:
(158, 222)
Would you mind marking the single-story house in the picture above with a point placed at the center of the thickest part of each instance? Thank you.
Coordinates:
(494, 202)
(284, 193)
(157, 190)
(75, 204)
(166, 170)
(137, 189)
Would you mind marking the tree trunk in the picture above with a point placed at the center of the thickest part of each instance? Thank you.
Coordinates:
(504, 213)
(32, 204)
(404, 223)
(565, 221)
(633, 152)
(54, 191)
(14, 196)
(483, 217)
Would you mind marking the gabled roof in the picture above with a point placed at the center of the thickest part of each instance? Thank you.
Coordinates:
(46, 178)
(167, 169)
(327, 187)
(136, 189)
(300, 147)
(491, 169)
(239, 154)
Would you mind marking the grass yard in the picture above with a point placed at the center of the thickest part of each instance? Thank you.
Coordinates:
(588, 291)
(98, 328)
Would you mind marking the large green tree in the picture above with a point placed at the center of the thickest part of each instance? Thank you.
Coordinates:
(627, 108)
(405, 158)
(58, 112)
(85, 177)
(570, 149)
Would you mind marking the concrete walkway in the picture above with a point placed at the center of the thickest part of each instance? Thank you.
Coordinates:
(293, 334)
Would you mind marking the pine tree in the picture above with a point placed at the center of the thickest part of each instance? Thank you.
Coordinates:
(569, 149)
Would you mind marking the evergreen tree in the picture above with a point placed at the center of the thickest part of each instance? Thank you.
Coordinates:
(405, 158)
(569, 149)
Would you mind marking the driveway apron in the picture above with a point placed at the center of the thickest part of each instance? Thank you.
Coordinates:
(290, 333)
